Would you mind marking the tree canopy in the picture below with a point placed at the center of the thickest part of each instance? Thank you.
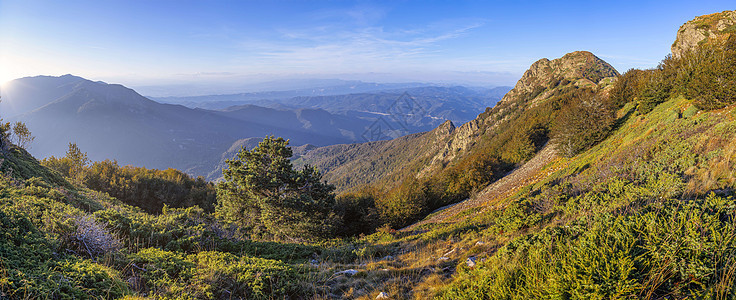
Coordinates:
(268, 198)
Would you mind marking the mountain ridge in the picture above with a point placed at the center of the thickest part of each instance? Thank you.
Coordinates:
(544, 80)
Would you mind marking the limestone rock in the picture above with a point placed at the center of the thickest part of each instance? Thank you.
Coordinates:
(580, 67)
(470, 262)
(349, 272)
(702, 29)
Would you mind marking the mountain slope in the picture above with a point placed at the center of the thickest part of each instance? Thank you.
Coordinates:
(22, 96)
(61, 240)
(111, 121)
(646, 213)
(421, 155)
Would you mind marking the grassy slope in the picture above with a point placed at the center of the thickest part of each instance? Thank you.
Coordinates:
(647, 213)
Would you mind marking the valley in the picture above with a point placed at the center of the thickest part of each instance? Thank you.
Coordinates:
(111, 121)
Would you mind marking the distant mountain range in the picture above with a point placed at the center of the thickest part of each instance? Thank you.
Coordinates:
(115, 122)
(308, 88)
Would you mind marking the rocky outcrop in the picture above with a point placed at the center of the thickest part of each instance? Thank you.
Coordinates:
(450, 145)
(424, 154)
(703, 29)
(581, 68)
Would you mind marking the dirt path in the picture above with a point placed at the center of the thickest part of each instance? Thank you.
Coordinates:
(528, 173)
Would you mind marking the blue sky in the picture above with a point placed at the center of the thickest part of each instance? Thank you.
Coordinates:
(474, 42)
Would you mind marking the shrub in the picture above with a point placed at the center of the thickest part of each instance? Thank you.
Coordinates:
(214, 275)
(713, 80)
(584, 122)
(671, 249)
(150, 189)
(627, 87)
(92, 238)
(655, 91)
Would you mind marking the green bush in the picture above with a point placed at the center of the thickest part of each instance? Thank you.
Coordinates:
(627, 87)
(214, 275)
(587, 120)
(678, 250)
(712, 81)
(150, 189)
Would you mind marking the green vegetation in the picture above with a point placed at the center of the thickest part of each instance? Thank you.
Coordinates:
(147, 189)
(59, 240)
(704, 75)
(264, 196)
(586, 121)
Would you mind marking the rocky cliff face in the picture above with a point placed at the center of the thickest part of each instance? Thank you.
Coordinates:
(581, 68)
(702, 29)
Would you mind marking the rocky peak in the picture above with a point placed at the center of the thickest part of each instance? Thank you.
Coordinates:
(579, 67)
(445, 128)
(702, 29)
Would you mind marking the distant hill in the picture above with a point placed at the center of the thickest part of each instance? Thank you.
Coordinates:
(32, 94)
(435, 104)
(458, 104)
(306, 88)
(112, 121)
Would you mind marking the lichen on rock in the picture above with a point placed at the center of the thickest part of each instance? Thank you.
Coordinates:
(703, 29)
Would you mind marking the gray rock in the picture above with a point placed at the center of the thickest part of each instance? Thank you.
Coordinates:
(470, 262)
(349, 272)
(692, 33)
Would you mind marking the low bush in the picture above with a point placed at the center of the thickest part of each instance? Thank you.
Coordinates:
(214, 275)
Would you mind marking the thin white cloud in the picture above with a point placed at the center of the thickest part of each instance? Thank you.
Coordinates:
(369, 48)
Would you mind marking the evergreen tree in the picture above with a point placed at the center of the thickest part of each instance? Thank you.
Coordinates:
(266, 197)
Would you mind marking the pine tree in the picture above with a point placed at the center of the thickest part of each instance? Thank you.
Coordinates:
(266, 197)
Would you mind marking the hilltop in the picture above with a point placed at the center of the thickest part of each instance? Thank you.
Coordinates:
(717, 26)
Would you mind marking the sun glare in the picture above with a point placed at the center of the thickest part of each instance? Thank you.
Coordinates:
(8, 70)
(5, 75)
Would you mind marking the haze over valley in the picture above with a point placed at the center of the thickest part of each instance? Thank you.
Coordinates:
(110, 121)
